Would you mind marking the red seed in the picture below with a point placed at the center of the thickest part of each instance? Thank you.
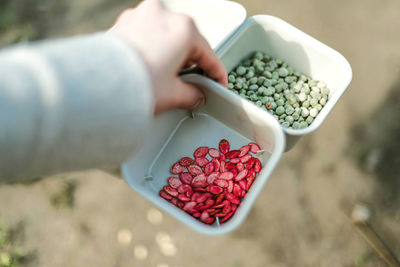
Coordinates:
(232, 154)
(244, 150)
(230, 166)
(224, 146)
(192, 211)
(199, 189)
(195, 170)
(241, 175)
(237, 191)
(210, 202)
(221, 183)
(251, 163)
(183, 198)
(250, 180)
(170, 190)
(189, 193)
(186, 177)
(216, 164)
(233, 207)
(177, 168)
(174, 201)
(199, 181)
(204, 216)
(186, 161)
(227, 208)
(243, 184)
(254, 148)
(211, 178)
(235, 161)
(257, 166)
(220, 215)
(226, 175)
(222, 167)
(232, 198)
(209, 220)
(189, 205)
(195, 196)
(234, 172)
(201, 161)
(202, 197)
(245, 158)
(226, 217)
(219, 199)
(181, 204)
(196, 214)
(183, 188)
(209, 168)
(164, 195)
(251, 172)
(200, 152)
(174, 182)
(230, 186)
(214, 189)
(243, 193)
(240, 166)
(214, 153)
(222, 158)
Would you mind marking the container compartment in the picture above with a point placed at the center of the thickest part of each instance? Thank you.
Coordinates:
(305, 54)
(179, 133)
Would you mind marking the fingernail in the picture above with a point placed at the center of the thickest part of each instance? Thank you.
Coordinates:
(199, 103)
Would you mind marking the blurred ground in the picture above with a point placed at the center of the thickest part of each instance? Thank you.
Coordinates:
(93, 219)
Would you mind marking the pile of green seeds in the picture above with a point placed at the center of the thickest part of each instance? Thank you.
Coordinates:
(294, 99)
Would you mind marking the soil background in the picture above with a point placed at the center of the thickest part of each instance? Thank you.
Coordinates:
(93, 218)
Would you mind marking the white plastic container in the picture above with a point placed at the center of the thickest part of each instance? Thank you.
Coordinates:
(304, 53)
(226, 115)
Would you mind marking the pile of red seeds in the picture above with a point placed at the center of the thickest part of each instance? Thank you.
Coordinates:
(212, 188)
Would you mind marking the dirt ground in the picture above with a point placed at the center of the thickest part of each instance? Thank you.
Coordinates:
(93, 218)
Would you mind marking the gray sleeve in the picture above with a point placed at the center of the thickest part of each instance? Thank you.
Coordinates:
(78, 103)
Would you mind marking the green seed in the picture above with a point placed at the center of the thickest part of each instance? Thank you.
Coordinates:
(279, 110)
(289, 110)
(250, 74)
(313, 112)
(239, 86)
(253, 80)
(231, 78)
(283, 72)
(253, 87)
(303, 125)
(325, 91)
(309, 120)
(253, 97)
(289, 119)
(230, 85)
(318, 107)
(259, 103)
(313, 102)
(322, 101)
(295, 116)
(261, 80)
(267, 74)
(247, 63)
(296, 125)
(285, 124)
(275, 75)
(280, 102)
(241, 70)
(258, 55)
(304, 112)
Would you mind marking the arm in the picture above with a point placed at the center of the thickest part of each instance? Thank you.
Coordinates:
(85, 102)
(71, 104)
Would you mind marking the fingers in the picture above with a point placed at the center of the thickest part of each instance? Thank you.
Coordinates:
(188, 96)
(207, 60)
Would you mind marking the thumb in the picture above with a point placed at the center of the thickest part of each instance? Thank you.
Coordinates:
(189, 96)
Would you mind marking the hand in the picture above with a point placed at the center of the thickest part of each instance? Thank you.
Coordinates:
(169, 42)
